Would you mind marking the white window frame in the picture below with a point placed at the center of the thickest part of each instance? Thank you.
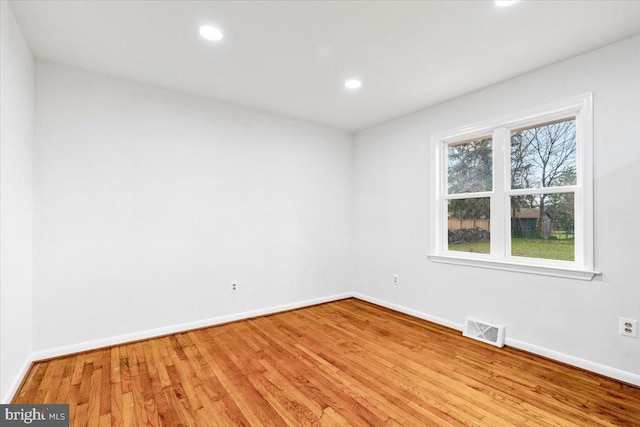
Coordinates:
(500, 257)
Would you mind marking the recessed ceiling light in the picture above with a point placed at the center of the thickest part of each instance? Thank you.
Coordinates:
(211, 33)
(353, 84)
(505, 3)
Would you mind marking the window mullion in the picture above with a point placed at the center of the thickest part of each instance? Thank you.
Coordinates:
(498, 238)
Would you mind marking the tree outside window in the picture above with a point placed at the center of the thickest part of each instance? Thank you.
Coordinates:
(517, 193)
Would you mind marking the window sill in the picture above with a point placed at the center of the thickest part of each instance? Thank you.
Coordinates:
(517, 267)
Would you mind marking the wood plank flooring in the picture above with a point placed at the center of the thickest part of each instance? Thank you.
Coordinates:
(342, 363)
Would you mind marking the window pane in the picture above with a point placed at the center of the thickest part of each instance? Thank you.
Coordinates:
(469, 225)
(469, 166)
(542, 226)
(544, 156)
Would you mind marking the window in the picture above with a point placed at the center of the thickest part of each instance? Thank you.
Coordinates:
(517, 193)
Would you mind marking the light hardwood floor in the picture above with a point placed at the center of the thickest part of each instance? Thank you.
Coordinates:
(342, 363)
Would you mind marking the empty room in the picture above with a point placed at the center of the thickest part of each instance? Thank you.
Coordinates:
(220, 213)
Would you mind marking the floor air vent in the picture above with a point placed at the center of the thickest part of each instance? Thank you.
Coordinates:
(484, 331)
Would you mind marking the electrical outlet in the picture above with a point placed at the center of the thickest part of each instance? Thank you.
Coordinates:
(628, 327)
(396, 280)
(234, 286)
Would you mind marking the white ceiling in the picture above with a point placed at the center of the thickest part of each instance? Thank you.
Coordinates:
(292, 57)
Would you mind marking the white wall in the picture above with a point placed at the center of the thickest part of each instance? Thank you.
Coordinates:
(16, 201)
(573, 318)
(150, 203)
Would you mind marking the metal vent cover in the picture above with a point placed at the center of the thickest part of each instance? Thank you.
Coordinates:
(484, 331)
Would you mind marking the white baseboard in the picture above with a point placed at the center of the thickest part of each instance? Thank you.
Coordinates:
(410, 312)
(151, 333)
(13, 388)
(588, 365)
(585, 364)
